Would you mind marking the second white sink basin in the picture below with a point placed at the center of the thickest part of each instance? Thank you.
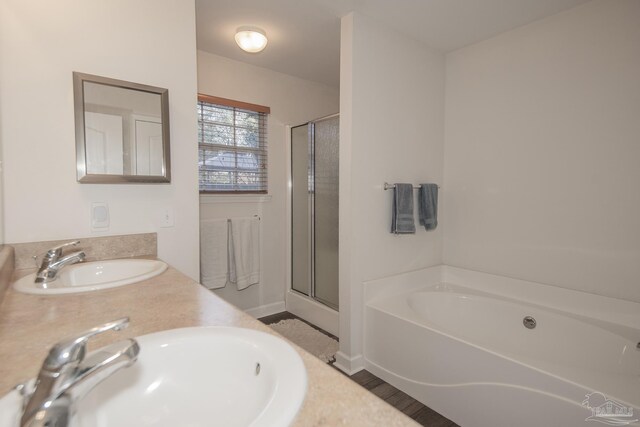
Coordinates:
(93, 276)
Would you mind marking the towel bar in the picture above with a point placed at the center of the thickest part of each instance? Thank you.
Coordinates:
(388, 186)
(255, 216)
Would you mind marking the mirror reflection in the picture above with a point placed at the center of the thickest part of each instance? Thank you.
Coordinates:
(121, 131)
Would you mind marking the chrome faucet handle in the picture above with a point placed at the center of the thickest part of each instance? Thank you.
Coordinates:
(73, 349)
(57, 250)
(71, 258)
(46, 402)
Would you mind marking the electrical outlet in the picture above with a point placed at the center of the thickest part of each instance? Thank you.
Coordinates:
(99, 216)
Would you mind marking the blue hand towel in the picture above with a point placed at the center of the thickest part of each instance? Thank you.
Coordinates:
(428, 206)
(402, 212)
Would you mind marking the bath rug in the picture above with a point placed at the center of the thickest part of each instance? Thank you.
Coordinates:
(312, 340)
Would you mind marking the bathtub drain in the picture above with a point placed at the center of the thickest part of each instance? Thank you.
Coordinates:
(529, 322)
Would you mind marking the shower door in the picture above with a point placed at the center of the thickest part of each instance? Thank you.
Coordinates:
(314, 204)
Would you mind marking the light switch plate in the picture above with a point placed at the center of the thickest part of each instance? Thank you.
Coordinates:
(166, 217)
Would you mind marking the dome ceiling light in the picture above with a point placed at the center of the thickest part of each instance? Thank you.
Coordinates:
(251, 39)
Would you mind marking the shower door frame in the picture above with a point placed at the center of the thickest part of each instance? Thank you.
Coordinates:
(311, 192)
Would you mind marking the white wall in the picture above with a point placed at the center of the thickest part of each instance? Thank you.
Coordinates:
(293, 101)
(392, 129)
(1, 173)
(542, 152)
(42, 42)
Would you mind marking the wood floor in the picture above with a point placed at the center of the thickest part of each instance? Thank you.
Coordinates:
(422, 414)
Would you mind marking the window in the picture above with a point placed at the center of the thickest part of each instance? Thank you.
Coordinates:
(232, 146)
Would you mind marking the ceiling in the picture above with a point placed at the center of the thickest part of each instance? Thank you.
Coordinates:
(304, 35)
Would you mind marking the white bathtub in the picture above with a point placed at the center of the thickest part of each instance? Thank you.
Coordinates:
(455, 340)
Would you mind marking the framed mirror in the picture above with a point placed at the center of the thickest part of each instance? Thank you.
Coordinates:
(122, 131)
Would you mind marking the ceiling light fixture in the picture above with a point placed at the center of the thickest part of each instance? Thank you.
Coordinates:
(251, 39)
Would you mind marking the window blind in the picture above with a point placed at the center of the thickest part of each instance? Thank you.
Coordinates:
(232, 146)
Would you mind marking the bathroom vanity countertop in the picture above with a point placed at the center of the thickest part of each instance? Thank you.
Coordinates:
(31, 324)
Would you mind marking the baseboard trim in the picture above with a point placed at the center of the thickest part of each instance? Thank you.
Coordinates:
(349, 365)
(266, 310)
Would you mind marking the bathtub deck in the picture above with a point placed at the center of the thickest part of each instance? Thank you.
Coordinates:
(422, 414)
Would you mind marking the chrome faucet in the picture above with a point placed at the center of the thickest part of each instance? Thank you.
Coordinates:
(50, 400)
(52, 262)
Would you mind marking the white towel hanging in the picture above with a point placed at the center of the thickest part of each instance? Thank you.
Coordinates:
(244, 245)
(214, 253)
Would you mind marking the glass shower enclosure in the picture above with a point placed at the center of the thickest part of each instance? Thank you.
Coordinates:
(314, 209)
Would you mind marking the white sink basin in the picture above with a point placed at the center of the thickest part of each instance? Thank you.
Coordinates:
(202, 377)
(212, 376)
(93, 276)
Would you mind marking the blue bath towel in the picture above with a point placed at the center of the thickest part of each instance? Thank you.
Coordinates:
(402, 212)
(428, 206)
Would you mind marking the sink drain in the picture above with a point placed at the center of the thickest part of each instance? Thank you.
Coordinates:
(529, 322)
(257, 369)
